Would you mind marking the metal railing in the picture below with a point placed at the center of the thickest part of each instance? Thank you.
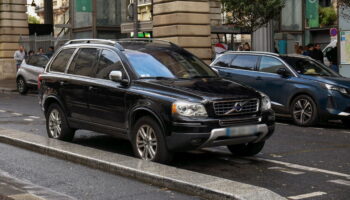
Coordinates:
(34, 42)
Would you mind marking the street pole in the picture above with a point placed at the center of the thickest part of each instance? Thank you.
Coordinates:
(136, 19)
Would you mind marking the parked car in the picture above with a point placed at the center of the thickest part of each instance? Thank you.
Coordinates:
(297, 85)
(28, 72)
(153, 93)
(329, 47)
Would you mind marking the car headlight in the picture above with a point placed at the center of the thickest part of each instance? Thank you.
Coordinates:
(265, 102)
(189, 109)
(335, 88)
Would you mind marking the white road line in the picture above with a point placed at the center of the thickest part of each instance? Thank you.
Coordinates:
(17, 114)
(288, 171)
(29, 120)
(282, 124)
(301, 167)
(341, 182)
(304, 196)
(2, 111)
(34, 117)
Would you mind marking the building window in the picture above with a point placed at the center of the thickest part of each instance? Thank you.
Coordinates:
(325, 3)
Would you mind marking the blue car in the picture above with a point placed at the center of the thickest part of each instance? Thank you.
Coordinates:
(298, 86)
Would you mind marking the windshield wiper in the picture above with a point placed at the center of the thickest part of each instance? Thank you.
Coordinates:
(157, 77)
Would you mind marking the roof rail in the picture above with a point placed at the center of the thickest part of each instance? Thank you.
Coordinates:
(257, 52)
(96, 41)
(145, 40)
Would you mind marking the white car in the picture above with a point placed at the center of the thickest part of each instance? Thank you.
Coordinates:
(28, 72)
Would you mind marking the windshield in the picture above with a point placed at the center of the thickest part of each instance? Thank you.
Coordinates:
(309, 67)
(168, 63)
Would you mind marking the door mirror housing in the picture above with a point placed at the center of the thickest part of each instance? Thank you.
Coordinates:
(283, 72)
(116, 76)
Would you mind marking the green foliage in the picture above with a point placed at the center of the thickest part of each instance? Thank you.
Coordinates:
(253, 14)
(328, 16)
(33, 20)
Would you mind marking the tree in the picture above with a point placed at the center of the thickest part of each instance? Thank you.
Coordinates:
(33, 20)
(253, 14)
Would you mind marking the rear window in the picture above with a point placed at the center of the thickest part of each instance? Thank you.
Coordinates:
(246, 62)
(61, 60)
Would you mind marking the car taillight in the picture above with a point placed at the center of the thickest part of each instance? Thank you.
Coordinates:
(39, 81)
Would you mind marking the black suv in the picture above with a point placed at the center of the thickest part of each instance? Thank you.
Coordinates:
(153, 93)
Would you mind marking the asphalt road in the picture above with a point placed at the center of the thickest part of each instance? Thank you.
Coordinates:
(299, 163)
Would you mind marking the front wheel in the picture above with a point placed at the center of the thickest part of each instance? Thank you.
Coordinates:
(22, 87)
(304, 111)
(56, 124)
(249, 149)
(148, 141)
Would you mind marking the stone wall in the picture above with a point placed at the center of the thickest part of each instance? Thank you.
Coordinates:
(13, 23)
(186, 23)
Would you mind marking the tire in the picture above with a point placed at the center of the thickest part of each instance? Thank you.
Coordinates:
(148, 141)
(22, 87)
(304, 111)
(249, 149)
(56, 124)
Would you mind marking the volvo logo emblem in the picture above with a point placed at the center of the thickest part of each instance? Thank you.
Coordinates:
(237, 107)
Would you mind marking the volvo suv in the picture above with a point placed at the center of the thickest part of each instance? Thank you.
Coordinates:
(153, 93)
(299, 86)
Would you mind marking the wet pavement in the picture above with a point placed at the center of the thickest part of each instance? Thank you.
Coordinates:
(312, 161)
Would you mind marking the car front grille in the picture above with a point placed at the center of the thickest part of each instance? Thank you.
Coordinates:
(238, 121)
(236, 107)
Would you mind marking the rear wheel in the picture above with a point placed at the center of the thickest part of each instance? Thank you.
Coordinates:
(22, 86)
(56, 124)
(249, 149)
(149, 142)
(304, 111)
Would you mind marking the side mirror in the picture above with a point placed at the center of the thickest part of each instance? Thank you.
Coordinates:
(283, 72)
(116, 76)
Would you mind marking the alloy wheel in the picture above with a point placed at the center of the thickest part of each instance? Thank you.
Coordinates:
(146, 142)
(303, 111)
(55, 123)
(20, 85)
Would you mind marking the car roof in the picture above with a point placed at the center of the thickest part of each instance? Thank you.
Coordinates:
(266, 53)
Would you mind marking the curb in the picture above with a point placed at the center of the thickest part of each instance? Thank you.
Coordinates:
(7, 90)
(193, 183)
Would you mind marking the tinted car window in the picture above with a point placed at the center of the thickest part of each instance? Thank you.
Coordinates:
(224, 61)
(109, 61)
(37, 61)
(61, 60)
(83, 62)
(270, 65)
(246, 62)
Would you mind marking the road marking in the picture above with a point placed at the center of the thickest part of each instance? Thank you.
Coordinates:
(301, 167)
(34, 117)
(341, 182)
(282, 124)
(29, 120)
(304, 196)
(17, 114)
(2, 111)
(285, 170)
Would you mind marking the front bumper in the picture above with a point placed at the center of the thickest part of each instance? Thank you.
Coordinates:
(191, 136)
(337, 106)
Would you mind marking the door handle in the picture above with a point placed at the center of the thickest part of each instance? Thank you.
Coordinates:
(258, 78)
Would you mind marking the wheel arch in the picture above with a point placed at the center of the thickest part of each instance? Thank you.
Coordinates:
(137, 113)
(52, 99)
(291, 99)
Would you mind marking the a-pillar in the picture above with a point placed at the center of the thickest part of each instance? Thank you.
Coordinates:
(13, 23)
(185, 23)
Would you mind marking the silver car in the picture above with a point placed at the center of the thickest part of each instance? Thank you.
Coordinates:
(27, 75)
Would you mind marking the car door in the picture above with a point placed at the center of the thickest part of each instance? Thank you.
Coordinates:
(33, 67)
(277, 87)
(75, 89)
(107, 98)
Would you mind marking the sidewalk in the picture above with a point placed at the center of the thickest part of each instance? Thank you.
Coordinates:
(8, 85)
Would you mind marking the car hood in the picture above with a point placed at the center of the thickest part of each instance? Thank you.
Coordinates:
(200, 89)
(338, 81)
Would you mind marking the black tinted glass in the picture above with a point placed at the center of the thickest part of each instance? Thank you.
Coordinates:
(224, 61)
(246, 62)
(32, 60)
(83, 62)
(109, 61)
(61, 60)
(270, 65)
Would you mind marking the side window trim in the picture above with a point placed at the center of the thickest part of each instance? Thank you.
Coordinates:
(73, 56)
(279, 59)
(71, 59)
(48, 69)
(242, 54)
